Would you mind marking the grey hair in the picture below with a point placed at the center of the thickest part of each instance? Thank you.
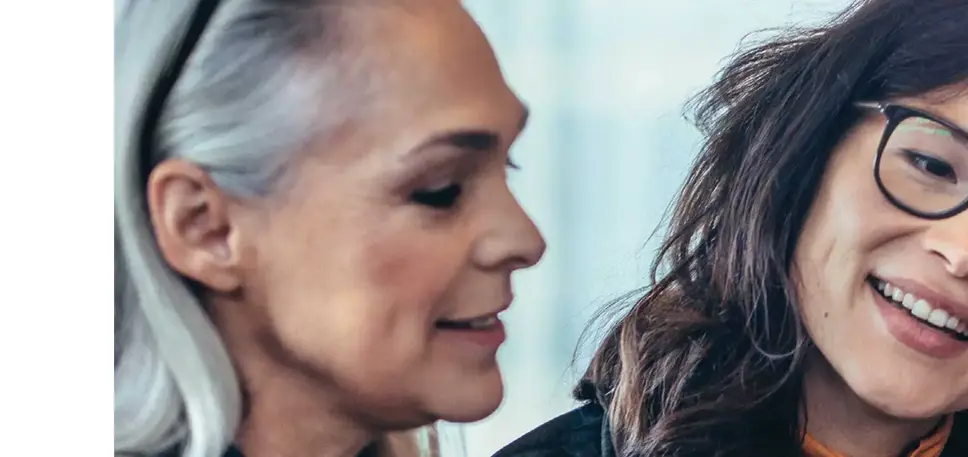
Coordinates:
(240, 110)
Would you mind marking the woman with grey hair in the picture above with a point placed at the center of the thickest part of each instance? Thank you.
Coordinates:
(313, 228)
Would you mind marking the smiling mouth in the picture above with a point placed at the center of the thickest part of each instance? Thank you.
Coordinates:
(483, 323)
(920, 309)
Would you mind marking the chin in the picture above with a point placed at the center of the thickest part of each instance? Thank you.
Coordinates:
(911, 410)
(471, 402)
(905, 401)
(915, 407)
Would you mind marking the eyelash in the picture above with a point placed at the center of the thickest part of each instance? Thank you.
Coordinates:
(446, 197)
(924, 163)
(439, 198)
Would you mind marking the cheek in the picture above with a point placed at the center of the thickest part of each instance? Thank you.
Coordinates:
(354, 295)
(846, 230)
(418, 268)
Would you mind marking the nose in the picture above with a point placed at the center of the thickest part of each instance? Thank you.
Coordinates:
(510, 240)
(948, 239)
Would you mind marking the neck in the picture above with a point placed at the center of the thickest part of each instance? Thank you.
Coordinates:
(288, 412)
(280, 422)
(844, 423)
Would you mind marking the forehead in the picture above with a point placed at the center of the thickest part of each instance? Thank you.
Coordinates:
(427, 64)
(950, 104)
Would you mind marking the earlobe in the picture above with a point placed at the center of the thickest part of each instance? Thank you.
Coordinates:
(190, 218)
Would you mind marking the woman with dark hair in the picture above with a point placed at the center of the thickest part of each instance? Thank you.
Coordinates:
(812, 293)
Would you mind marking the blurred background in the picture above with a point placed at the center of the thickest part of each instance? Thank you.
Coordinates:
(605, 152)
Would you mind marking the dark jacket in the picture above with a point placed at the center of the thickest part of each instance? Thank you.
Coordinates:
(584, 432)
(581, 432)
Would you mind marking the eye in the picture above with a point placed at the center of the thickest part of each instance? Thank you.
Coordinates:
(930, 165)
(438, 198)
(512, 164)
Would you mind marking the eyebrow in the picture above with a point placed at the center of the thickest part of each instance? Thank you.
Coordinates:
(953, 128)
(478, 140)
(959, 130)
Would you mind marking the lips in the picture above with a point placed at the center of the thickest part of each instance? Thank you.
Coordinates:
(483, 323)
(929, 311)
(484, 331)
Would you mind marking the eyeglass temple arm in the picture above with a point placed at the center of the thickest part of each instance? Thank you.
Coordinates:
(870, 105)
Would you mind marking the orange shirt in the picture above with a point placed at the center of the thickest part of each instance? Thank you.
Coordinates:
(929, 446)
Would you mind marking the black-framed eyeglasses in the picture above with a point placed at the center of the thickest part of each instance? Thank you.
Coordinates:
(921, 164)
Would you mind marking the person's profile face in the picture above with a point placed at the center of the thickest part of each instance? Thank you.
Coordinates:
(884, 294)
(401, 225)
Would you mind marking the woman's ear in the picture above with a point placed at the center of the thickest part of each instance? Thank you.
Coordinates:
(190, 218)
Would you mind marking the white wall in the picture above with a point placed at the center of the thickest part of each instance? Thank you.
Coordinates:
(605, 152)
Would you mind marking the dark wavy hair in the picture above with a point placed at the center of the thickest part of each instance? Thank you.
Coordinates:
(709, 361)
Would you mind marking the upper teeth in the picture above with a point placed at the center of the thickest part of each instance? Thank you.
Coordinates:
(482, 322)
(921, 308)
